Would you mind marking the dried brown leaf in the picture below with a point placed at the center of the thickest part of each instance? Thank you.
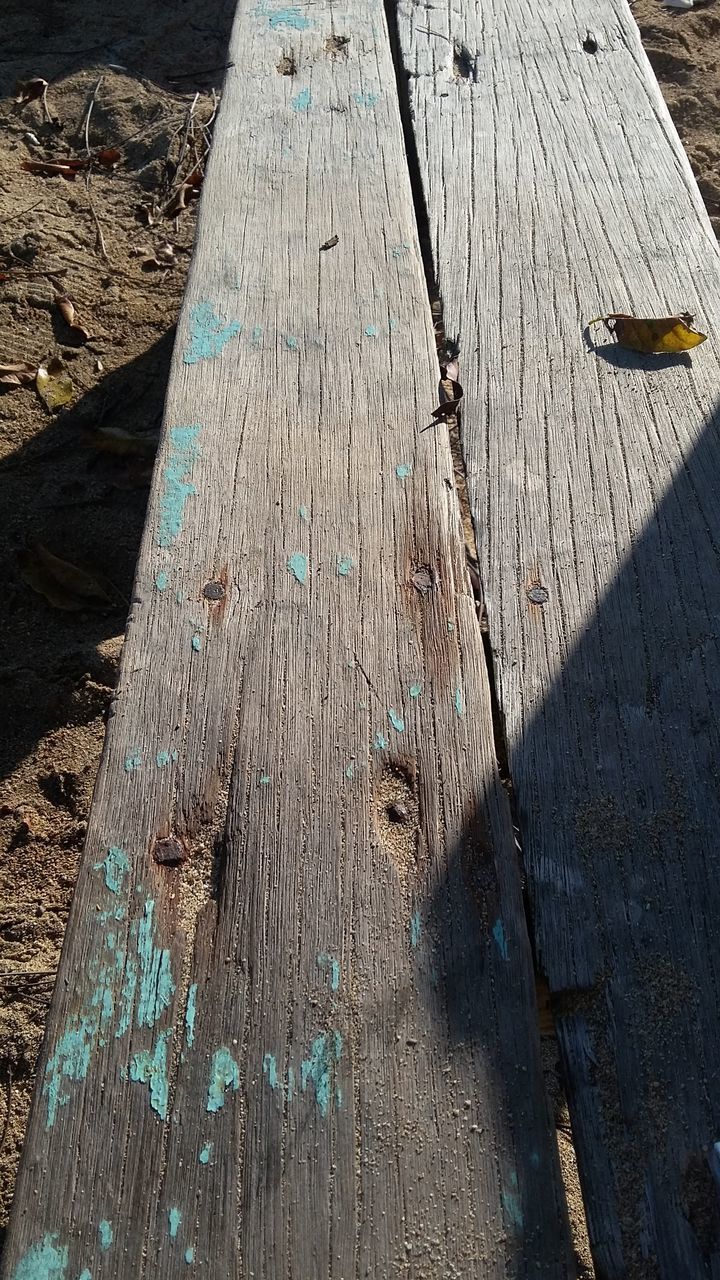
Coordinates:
(109, 157)
(66, 307)
(62, 584)
(17, 375)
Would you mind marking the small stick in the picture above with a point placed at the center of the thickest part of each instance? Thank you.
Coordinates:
(188, 124)
(10, 217)
(100, 243)
(88, 113)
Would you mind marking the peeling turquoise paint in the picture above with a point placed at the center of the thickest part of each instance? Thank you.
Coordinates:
(392, 326)
(206, 1152)
(289, 17)
(344, 565)
(152, 1068)
(85, 1275)
(256, 334)
(326, 961)
(155, 972)
(380, 742)
(189, 1255)
(44, 1261)
(174, 1220)
(304, 514)
(512, 1205)
(183, 453)
(500, 939)
(114, 864)
(224, 1075)
(291, 1084)
(208, 334)
(265, 779)
(302, 101)
(415, 690)
(196, 643)
(164, 757)
(415, 929)
(178, 594)
(270, 1070)
(105, 1233)
(450, 625)
(459, 702)
(298, 566)
(396, 721)
(291, 343)
(371, 331)
(161, 580)
(190, 1012)
(133, 761)
(366, 99)
(69, 1061)
(400, 249)
(403, 470)
(350, 771)
(118, 913)
(320, 1068)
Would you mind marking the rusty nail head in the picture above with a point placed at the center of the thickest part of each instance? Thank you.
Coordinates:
(213, 591)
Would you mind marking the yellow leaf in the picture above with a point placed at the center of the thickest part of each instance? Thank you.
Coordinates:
(655, 335)
(53, 385)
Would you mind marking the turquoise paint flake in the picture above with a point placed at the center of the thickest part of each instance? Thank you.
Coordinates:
(400, 249)
(291, 343)
(156, 982)
(44, 1261)
(190, 1012)
(196, 643)
(189, 1255)
(304, 514)
(392, 325)
(151, 1068)
(328, 962)
(161, 580)
(256, 334)
(206, 1152)
(512, 1205)
(114, 864)
(415, 929)
(85, 1275)
(403, 470)
(298, 566)
(164, 757)
(350, 771)
(302, 101)
(380, 742)
(69, 1061)
(291, 1084)
(224, 1075)
(459, 707)
(265, 779)
(371, 331)
(289, 17)
(133, 761)
(366, 99)
(174, 1220)
(208, 334)
(105, 1233)
(183, 452)
(500, 939)
(396, 721)
(270, 1070)
(320, 1068)
(415, 690)
(344, 565)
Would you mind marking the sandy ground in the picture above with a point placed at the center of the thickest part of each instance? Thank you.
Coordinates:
(60, 486)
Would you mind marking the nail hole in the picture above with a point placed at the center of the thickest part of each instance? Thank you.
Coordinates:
(337, 46)
(423, 579)
(538, 595)
(463, 62)
(590, 43)
(397, 812)
(213, 591)
(286, 66)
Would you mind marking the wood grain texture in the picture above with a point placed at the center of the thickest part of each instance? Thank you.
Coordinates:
(309, 1046)
(557, 190)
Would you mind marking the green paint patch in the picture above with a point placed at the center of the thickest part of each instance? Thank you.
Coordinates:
(302, 101)
(415, 690)
(44, 1261)
(458, 701)
(350, 770)
(206, 1153)
(190, 1014)
(320, 1068)
(184, 451)
(403, 470)
(133, 761)
(415, 929)
(265, 779)
(208, 334)
(304, 514)
(105, 1233)
(174, 1220)
(224, 1075)
(152, 1068)
(380, 742)
(371, 331)
(332, 965)
(196, 643)
(297, 565)
(189, 1255)
(114, 864)
(344, 565)
(161, 580)
(396, 720)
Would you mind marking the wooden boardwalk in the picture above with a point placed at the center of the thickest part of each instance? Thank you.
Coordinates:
(294, 1031)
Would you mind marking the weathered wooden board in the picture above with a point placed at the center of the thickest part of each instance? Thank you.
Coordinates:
(557, 190)
(309, 1048)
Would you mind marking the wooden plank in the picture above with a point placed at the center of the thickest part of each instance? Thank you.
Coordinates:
(310, 1047)
(557, 190)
